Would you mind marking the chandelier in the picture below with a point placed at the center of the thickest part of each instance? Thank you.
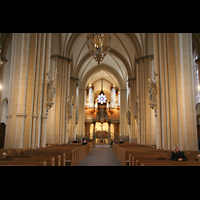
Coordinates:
(98, 45)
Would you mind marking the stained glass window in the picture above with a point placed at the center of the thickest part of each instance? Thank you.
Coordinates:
(102, 99)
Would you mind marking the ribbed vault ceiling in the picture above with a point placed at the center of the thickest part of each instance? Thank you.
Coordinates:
(121, 57)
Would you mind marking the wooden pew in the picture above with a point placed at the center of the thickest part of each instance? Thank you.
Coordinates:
(23, 163)
(59, 155)
(146, 162)
(51, 160)
(129, 154)
(145, 156)
(53, 155)
(126, 152)
(156, 156)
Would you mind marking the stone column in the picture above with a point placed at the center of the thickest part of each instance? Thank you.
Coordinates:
(142, 101)
(152, 112)
(72, 121)
(176, 118)
(10, 126)
(44, 115)
(164, 90)
(123, 110)
(40, 87)
(23, 60)
(35, 88)
(67, 96)
(115, 130)
(157, 82)
(94, 134)
(138, 135)
(185, 91)
(146, 103)
(109, 123)
(143, 123)
(4, 60)
(81, 110)
(64, 102)
(87, 128)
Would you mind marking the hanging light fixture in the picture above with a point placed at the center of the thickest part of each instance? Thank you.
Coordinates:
(98, 44)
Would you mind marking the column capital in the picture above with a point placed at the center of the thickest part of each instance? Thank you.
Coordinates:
(131, 79)
(150, 57)
(56, 57)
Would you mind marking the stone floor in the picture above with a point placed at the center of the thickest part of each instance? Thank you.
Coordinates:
(100, 157)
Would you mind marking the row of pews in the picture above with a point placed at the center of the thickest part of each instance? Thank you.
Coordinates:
(51, 155)
(142, 155)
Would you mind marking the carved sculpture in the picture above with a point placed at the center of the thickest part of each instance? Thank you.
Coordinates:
(70, 107)
(152, 90)
(77, 116)
(98, 40)
(135, 111)
(128, 117)
(152, 95)
(51, 90)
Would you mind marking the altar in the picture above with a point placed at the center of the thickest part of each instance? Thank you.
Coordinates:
(102, 141)
(102, 134)
(102, 138)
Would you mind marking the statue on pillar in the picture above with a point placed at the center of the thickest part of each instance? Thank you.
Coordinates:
(128, 117)
(152, 96)
(77, 116)
(152, 90)
(70, 107)
(135, 110)
(51, 90)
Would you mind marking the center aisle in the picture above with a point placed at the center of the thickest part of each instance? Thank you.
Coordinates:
(101, 157)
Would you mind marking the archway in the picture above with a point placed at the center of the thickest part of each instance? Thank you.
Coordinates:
(4, 112)
(111, 78)
(119, 64)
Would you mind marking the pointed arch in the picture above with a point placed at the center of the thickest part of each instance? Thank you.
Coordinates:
(83, 83)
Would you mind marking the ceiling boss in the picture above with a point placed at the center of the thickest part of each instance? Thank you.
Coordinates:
(98, 44)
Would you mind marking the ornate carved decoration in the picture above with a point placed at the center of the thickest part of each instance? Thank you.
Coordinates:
(152, 94)
(135, 110)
